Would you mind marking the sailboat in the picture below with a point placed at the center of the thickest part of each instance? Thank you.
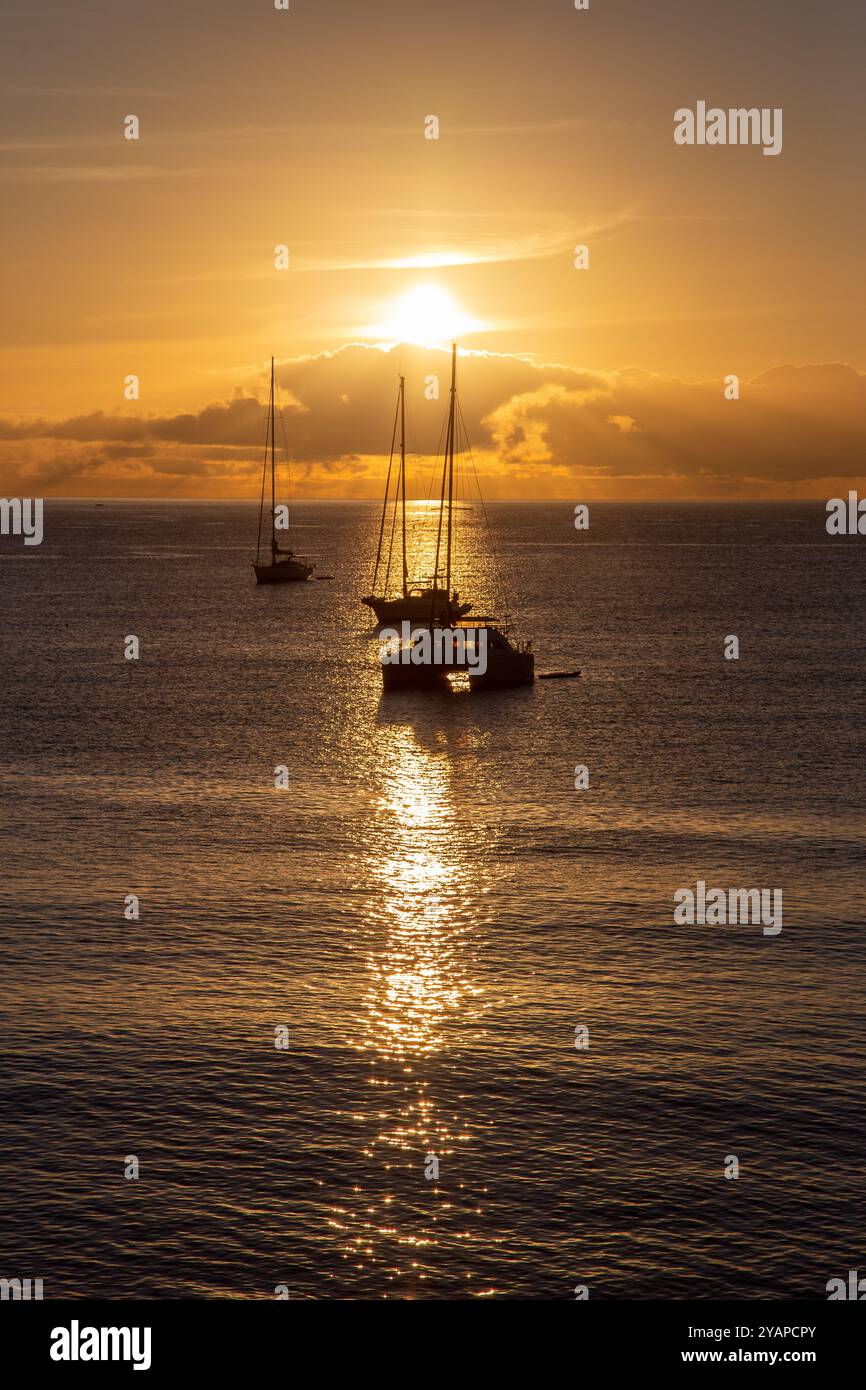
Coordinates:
(284, 566)
(412, 601)
(507, 661)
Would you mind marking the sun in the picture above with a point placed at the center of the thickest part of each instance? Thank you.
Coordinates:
(426, 315)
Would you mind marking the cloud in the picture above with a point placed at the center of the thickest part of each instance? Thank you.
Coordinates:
(537, 430)
(95, 173)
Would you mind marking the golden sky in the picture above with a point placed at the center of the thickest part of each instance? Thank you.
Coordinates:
(306, 128)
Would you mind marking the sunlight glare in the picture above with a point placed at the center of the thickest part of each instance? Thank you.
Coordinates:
(426, 315)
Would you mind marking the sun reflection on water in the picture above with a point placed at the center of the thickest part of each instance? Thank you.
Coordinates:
(419, 973)
(427, 880)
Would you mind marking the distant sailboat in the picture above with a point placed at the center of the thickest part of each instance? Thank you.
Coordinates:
(413, 601)
(506, 662)
(284, 566)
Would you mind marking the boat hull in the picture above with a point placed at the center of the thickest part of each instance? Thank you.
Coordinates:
(283, 572)
(417, 608)
(505, 667)
(399, 677)
(503, 672)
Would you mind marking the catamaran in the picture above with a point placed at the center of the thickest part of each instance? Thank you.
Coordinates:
(284, 566)
(411, 600)
(496, 659)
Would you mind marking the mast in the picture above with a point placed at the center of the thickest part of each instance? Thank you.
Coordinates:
(273, 469)
(262, 499)
(450, 470)
(447, 487)
(439, 527)
(403, 478)
(385, 505)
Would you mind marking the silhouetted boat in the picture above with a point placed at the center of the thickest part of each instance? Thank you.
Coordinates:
(414, 601)
(284, 567)
(507, 662)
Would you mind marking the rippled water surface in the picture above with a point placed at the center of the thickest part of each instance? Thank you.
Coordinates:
(431, 909)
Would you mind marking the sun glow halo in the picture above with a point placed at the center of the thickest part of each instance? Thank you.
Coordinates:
(426, 315)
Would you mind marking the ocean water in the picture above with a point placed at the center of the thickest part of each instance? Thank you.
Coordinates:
(431, 909)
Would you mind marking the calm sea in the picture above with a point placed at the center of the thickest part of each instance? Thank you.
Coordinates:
(431, 909)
